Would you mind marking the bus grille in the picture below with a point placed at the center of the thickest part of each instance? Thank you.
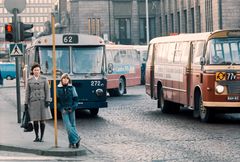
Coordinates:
(233, 86)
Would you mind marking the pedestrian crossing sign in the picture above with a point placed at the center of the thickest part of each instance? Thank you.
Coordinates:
(16, 49)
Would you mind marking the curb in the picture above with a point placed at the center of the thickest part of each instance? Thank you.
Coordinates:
(52, 151)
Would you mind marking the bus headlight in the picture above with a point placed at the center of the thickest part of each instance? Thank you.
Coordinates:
(219, 89)
(99, 92)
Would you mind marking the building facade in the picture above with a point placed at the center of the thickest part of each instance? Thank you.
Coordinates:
(37, 12)
(124, 21)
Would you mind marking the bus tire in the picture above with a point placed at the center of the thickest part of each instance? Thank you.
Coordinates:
(121, 87)
(111, 92)
(162, 103)
(204, 112)
(196, 111)
(94, 111)
(9, 77)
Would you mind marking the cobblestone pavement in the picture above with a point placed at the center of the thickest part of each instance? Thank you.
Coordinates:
(133, 129)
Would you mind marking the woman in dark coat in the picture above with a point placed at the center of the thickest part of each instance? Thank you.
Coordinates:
(67, 103)
(37, 101)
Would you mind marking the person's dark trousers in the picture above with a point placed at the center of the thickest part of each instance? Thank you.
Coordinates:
(36, 128)
(42, 129)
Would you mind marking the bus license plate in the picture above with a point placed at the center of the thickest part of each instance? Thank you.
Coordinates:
(233, 98)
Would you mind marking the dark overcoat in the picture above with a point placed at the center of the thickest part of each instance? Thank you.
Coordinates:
(36, 94)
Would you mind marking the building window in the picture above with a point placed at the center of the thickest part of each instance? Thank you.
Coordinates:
(199, 19)
(193, 20)
(185, 21)
(172, 23)
(143, 31)
(209, 16)
(166, 24)
(178, 22)
(160, 26)
(123, 30)
(94, 26)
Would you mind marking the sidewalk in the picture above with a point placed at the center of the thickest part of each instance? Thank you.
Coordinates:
(12, 137)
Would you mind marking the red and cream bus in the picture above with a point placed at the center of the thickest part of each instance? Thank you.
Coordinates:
(200, 71)
(124, 68)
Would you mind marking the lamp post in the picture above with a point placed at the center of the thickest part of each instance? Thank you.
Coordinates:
(147, 22)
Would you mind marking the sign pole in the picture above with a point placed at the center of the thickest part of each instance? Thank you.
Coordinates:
(54, 79)
(15, 20)
(15, 7)
(147, 23)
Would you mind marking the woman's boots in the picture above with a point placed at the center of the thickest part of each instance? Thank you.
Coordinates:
(42, 129)
(36, 128)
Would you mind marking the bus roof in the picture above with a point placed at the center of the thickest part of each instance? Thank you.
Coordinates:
(82, 40)
(198, 36)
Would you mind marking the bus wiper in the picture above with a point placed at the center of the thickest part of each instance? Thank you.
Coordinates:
(226, 63)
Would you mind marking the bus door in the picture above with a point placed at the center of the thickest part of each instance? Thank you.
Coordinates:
(195, 75)
(185, 83)
(150, 72)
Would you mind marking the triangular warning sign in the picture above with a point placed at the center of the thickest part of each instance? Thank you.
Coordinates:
(16, 51)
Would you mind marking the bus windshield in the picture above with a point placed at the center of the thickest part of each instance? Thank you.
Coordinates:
(87, 59)
(62, 59)
(224, 51)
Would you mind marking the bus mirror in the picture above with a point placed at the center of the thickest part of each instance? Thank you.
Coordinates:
(202, 61)
(59, 72)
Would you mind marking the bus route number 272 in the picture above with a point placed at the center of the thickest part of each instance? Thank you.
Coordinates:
(70, 39)
(95, 83)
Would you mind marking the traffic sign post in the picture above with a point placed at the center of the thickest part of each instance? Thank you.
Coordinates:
(15, 7)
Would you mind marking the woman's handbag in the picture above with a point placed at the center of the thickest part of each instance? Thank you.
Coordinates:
(26, 124)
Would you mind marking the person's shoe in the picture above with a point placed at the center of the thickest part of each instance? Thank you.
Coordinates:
(71, 145)
(78, 144)
(41, 140)
(36, 139)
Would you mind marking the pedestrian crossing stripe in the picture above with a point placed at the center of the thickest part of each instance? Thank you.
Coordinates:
(16, 50)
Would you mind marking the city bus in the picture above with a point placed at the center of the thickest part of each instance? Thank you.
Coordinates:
(142, 51)
(82, 57)
(200, 71)
(123, 68)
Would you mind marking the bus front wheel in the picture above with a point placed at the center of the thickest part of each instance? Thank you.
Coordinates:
(205, 113)
(9, 77)
(94, 112)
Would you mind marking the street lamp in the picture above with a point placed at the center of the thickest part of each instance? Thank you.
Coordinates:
(147, 23)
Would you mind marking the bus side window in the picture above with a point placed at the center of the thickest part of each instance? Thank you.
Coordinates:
(178, 53)
(135, 57)
(158, 50)
(198, 48)
(185, 48)
(170, 52)
(127, 59)
(117, 58)
(164, 55)
(150, 53)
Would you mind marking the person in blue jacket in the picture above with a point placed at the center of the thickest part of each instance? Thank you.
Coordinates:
(67, 99)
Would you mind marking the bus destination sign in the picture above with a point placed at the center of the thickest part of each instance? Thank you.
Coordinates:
(70, 39)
